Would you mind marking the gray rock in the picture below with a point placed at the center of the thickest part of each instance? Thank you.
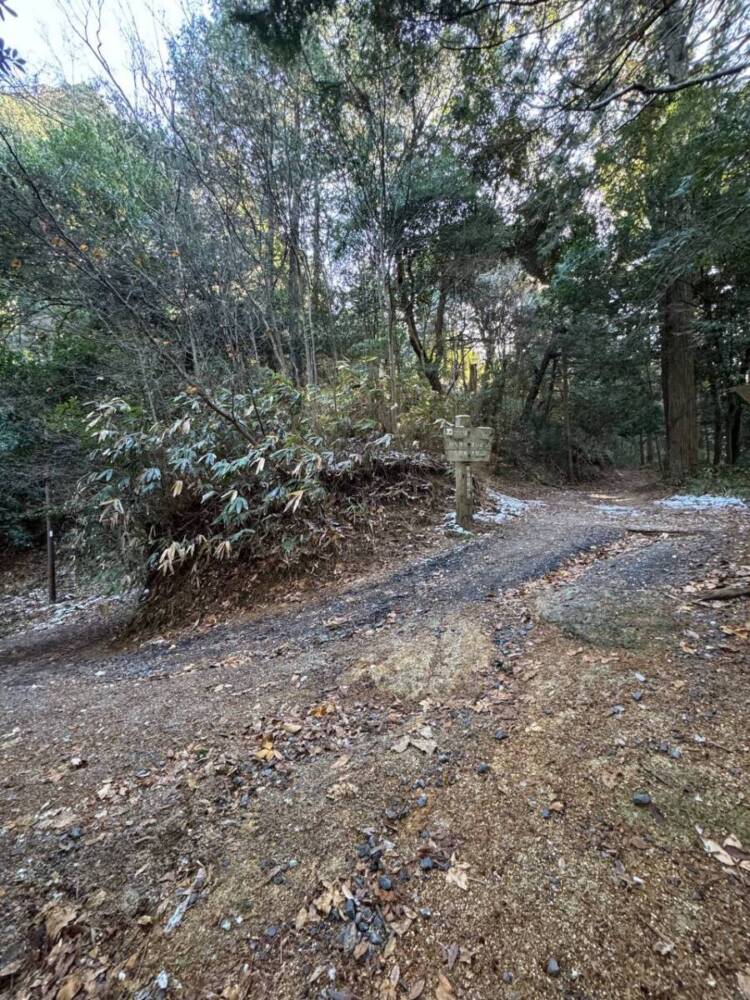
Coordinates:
(348, 938)
(426, 864)
(500, 734)
(131, 902)
(385, 883)
(553, 968)
(422, 801)
(637, 695)
(483, 768)
(641, 799)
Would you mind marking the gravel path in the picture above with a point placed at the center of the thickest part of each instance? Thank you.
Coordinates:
(433, 772)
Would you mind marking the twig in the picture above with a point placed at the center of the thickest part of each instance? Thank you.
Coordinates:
(723, 594)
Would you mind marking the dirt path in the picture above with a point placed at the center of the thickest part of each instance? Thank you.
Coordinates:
(426, 777)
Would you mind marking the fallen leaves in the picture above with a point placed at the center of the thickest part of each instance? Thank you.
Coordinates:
(267, 750)
(444, 989)
(423, 741)
(57, 916)
(56, 819)
(730, 854)
(457, 874)
(71, 986)
(331, 897)
(342, 790)
(325, 708)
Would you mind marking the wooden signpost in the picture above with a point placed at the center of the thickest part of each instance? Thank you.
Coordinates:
(465, 444)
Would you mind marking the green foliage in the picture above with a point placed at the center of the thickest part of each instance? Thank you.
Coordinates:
(191, 489)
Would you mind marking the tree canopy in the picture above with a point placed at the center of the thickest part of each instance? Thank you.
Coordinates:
(321, 226)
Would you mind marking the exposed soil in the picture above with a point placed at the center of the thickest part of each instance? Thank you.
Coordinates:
(426, 776)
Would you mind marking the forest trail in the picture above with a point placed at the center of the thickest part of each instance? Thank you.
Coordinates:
(483, 770)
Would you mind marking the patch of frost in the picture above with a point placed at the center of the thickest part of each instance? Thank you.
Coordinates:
(706, 502)
(616, 511)
(503, 507)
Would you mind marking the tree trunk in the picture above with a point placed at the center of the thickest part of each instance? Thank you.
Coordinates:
(426, 363)
(536, 383)
(678, 381)
(678, 353)
(566, 417)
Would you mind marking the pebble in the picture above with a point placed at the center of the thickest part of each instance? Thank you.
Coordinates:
(350, 909)
(426, 864)
(443, 758)
(375, 936)
(507, 977)
(348, 938)
(546, 813)
(385, 883)
(419, 783)
(422, 801)
(425, 912)
(642, 799)
(271, 932)
(675, 753)
(225, 924)
(500, 734)
(483, 768)
(641, 678)
(553, 968)
(637, 695)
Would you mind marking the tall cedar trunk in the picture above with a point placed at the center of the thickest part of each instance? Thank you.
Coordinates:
(678, 380)
(678, 352)
(317, 275)
(298, 342)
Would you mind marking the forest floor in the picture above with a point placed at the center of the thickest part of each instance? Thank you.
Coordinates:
(514, 766)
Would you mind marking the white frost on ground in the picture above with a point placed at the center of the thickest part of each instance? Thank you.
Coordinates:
(706, 502)
(616, 510)
(503, 507)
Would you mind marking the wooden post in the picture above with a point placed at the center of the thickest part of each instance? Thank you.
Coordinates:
(464, 498)
(465, 444)
(51, 569)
